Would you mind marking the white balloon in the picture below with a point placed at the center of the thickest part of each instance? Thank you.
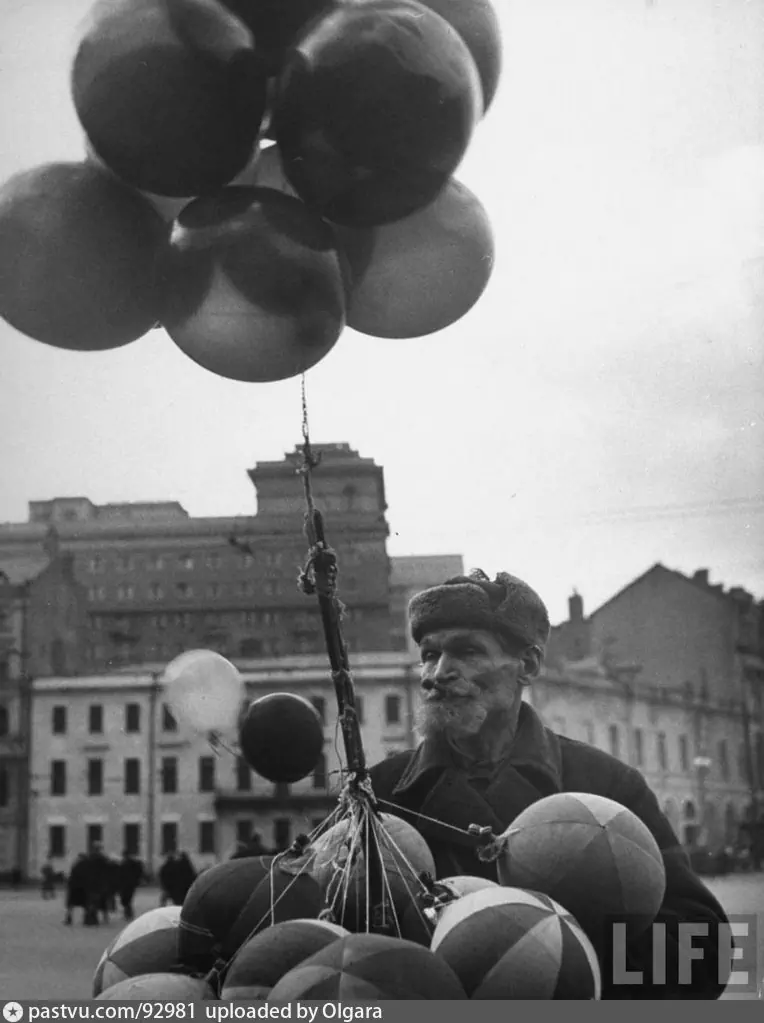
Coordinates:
(205, 690)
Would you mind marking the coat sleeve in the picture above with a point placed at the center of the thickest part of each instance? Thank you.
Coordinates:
(686, 901)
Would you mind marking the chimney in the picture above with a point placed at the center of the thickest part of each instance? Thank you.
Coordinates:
(701, 576)
(576, 607)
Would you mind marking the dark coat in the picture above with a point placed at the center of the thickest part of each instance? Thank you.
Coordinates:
(426, 783)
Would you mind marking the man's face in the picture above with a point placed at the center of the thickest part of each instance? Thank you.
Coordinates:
(468, 680)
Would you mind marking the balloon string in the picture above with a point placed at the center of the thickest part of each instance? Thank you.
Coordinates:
(424, 817)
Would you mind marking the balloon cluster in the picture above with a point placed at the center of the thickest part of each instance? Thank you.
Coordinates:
(259, 173)
(282, 929)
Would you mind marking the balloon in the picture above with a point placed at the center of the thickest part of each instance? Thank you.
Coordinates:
(77, 258)
(253, 285)
(166, 987)
(275, 24)
(369, 967)
(423, 273)
(374, 111)
(506, 943)
(148, 944)
(204, 690)
(265, 958)
(169, 93)
(417, 926)
(281, 737)
(403, 854)
(592, 855)
(232, 901)
(477, 23)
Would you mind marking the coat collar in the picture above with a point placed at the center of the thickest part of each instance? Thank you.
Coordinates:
(440, 801)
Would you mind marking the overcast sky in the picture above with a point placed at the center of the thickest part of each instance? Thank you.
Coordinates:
(599, 410)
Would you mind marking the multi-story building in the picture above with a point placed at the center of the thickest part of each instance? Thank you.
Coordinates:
(42, 623)
(687, 658)
(160, 580)
(110, 763)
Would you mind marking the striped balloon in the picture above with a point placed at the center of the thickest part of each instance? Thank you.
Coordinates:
(148, 944)
(507, 943)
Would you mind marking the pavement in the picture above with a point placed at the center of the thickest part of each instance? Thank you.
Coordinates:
(41, 958)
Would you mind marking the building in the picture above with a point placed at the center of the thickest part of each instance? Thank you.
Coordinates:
(111, 764)
(690, 656)
(43, 619)
(409, 575)
(159, 580)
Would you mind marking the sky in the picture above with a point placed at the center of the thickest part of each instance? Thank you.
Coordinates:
(601, 407)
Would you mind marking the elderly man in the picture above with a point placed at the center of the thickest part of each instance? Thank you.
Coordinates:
(485, 757)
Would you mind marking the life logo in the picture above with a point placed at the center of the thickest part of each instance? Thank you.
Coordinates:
(13, 1012)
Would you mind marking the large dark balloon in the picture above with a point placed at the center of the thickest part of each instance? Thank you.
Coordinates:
(477, 23)
(77, 258)
(253, 286)
(170, 93)
(374, 111)
(232, 901)
(275, 24)
(281, 737)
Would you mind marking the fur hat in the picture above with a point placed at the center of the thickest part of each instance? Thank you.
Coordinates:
(507, 606)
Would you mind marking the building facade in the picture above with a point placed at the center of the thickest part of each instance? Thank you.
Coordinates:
(111, 764)
(43, 620)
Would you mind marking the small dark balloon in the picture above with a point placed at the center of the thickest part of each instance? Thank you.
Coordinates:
(281, 737)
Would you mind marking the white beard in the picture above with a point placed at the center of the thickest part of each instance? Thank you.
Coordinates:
(452, 718)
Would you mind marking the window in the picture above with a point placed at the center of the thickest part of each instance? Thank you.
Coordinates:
(186, 562)
(132, 776)
(724, 764)
(169, 724)
(95, 777)
(156, 562)
(133, 717)
(213, 561)
(184, 590)
(96, 564)
(743, 768)
(169, 837)
(58, 777)
(213, 590)
(58, 723)
(56, 841)
(124, 563)
(125, 592)
(5, 786)
(5, 721)
(247, 560)
(615, 741)
(243, 831)
(95, 719)
(684, 753)
(359, 709)
(246, 589)
(131, 839)
(639, 748)
(155, 591)
(590, 733)
(282, 832)
(94, 834)
(320, 704)
(393, 710)
(243, 775)
(319, 773)
(206, 774)
(662, 753)
(169, 774)
(206, 837)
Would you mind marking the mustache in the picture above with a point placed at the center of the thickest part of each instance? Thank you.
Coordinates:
(433, 691)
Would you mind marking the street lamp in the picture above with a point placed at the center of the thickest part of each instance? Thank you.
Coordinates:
(702, 767)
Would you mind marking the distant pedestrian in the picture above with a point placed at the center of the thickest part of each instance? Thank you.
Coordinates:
(77, 889)
(131, 874)
(184, 878)
(167, 878)
(48, 881)
(99, 886)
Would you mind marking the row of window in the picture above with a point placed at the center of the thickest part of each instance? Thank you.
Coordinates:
(168, 776)
(132, 836)
(207, 619)
(185, 591)
(132, 719)
(721, 761)
(131, 723)
(98, 563)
